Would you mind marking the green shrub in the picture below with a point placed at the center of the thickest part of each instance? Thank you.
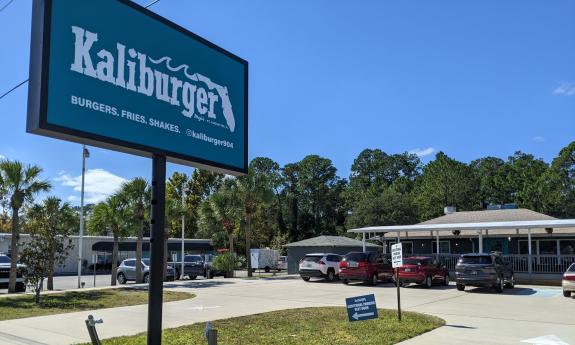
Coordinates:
(225, 262)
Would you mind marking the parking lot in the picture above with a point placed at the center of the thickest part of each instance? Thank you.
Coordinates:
(475, 316)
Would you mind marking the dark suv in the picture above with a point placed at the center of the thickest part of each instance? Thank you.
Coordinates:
(5, 274)
(483, 270)
(369, 267)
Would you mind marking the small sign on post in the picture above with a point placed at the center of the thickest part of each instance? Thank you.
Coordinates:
(396, 262)
(361, 308)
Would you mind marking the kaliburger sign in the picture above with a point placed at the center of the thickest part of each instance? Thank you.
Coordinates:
(136, 83)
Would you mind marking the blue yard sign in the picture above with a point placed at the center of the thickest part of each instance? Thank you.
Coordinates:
(361, 308)
(110, 73)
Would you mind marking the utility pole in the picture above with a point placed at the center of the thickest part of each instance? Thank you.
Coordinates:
(85, 154)
(184, 191)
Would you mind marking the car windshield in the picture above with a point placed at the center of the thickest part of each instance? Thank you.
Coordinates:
(4, 260)
(194, 258)
(146, 262)
(571, 269)
(355, 257)
(312, 258)
(414, 261)
(476, 260)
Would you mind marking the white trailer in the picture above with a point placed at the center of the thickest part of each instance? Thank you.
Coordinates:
(264, 259)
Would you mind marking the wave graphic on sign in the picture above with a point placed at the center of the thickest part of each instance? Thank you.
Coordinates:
(221, 90)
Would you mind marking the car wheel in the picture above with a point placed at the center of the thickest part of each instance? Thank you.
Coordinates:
(446, 280)
(305, 279)
(267, 269)
(121, 278)
(373, 281)
(147, 278)
(566, 293)
(330, 275)
(460, 287)
(193, 277)
(511, 283)
(500, 285)
(20, 287)
(345, 281)
(428, 282)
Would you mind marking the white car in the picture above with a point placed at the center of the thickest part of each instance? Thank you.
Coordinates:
(319, 265)
(568, 281)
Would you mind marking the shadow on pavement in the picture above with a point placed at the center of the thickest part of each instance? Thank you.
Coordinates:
(197, 284)
(460, 326)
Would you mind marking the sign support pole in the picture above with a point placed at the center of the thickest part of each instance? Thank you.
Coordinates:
(157, 250)
(398, 297)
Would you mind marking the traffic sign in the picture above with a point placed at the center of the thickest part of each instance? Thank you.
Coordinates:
(396, 255)
(361, 308)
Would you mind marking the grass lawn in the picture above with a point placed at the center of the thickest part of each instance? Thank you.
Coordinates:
(67, 302)
(310, 326)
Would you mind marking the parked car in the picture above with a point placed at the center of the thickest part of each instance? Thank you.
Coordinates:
(483, 270)
(5, 274)
(319, 265)
(370, 267)
(568, 281)
(423, 270)
(127, 271)
(282, 263)
(194, 266)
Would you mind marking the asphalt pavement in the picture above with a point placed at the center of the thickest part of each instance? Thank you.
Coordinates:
(475, 316)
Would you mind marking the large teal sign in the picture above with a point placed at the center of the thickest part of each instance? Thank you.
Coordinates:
(112, 74)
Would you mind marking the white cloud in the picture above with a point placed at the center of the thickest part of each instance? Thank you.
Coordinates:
(99, 184)
(538, 139)
(423, 152)
(2, 157)
(565, 88)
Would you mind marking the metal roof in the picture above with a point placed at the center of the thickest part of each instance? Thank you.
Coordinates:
(505, 215)
(329, 241)
(525, 224)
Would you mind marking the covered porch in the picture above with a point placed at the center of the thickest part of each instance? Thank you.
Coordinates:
(537, 249)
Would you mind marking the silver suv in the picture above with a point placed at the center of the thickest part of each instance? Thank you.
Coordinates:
(127, 271)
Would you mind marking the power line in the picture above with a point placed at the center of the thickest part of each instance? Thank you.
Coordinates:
(25, 81)
(14, 88)
(8, 4)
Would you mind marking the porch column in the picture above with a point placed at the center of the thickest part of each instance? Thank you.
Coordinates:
(382, 238)
(437, 245)
(363, 241)
(398, 240)
(529, 258)
(480, 241)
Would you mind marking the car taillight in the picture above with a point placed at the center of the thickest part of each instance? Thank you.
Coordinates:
(343, 264)
(570, 278)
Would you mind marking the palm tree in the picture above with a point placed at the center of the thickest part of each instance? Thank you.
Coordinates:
(221, 210)
(253, 189)
(20, 184)
(137, 194)
(111, 213)
(54, 221)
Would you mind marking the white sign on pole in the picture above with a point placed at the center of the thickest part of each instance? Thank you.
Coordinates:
(396, 255)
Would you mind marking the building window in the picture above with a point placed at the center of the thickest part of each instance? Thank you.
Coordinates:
(443, 247)
(523, 247)
(407, 247)
(547, 247)
(567, 247)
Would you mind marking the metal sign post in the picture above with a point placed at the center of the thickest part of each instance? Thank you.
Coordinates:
(155, 290)
(94, 265)
(396, 262)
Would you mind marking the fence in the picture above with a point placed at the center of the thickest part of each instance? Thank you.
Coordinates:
(520, 263)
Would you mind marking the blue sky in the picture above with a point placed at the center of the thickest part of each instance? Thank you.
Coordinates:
(335, 77)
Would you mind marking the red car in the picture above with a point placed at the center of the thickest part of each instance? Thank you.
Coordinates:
(423, 270)
(369, 267)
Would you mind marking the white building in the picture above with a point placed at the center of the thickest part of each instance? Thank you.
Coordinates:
(100, 248)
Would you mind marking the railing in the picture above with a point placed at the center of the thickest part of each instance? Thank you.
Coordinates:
(520, 263)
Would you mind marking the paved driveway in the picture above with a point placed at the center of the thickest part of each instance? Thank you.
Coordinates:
(473, 317)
